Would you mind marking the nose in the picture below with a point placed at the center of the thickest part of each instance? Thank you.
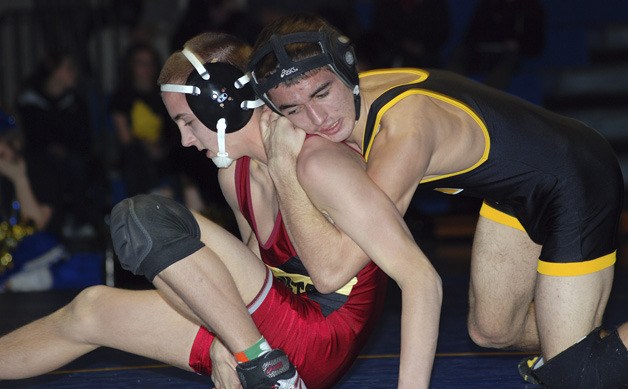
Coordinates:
(187, 139)
(316, 114)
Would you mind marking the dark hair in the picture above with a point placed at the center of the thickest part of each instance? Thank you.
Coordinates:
(49, 62)
(288, 24)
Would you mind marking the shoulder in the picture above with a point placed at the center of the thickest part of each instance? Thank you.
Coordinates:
(379, 81)
(322, 160)
(325, 153)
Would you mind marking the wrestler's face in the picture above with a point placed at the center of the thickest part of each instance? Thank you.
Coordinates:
(319, 104)
(193, 132)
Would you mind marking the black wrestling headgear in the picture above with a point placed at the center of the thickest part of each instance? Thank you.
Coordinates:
(336, 52)
(217, 90)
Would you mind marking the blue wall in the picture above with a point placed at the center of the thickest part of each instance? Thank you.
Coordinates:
(568, 23)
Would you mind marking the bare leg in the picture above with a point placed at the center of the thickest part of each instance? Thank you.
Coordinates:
(216, 283)
(568, 308)
(139, 322)
(503, 280)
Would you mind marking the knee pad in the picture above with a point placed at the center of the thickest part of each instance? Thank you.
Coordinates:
(592, 363)
(151, 232)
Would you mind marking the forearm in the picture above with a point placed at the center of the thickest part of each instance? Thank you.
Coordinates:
(421, 302)
(321, 246)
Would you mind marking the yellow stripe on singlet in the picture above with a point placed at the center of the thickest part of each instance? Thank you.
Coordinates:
(299, 283)
(577, 268)
(500, 217)
(552, 268)
(367, 144)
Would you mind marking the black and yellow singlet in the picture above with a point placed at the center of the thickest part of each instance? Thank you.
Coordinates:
(547, 174)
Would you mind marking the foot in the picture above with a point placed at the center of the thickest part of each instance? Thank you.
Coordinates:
(272, 370)
(526, 369)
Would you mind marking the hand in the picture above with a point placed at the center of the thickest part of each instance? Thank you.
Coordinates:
(224, 375)
(282, 140)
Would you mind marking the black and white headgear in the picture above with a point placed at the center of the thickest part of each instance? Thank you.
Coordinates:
(337, 52)
(220, 96)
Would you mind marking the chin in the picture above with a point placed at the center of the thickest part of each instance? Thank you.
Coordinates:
(222, 162)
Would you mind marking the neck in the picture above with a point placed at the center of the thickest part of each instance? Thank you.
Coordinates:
(360, 125)
(250, 141)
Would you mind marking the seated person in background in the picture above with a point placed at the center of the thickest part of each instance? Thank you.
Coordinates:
(141, 123)
(55, 120)
(30, 216)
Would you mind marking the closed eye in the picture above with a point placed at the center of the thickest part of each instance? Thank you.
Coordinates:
(322, 94)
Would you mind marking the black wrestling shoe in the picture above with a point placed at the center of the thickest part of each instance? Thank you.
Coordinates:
(526, 370)
(272, 370)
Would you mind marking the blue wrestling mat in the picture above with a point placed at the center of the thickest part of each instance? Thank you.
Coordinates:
(459, 363)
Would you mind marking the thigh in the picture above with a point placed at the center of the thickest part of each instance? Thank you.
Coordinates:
(503, 274)
(245, 267)
(138, 322)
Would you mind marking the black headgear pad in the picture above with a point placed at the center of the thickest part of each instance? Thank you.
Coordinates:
(219, 97)
(336, 52)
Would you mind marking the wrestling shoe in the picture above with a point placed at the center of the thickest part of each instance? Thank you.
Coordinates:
(272, 370)
(526, 370)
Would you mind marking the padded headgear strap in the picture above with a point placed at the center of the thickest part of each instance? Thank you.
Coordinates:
(336, 52)
(217, 90)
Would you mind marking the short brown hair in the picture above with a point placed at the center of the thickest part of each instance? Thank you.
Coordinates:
(208, 47)
(288, 24)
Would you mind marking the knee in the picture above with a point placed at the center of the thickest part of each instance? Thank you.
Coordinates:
(83, 312)
(151, 232)
(490, 333)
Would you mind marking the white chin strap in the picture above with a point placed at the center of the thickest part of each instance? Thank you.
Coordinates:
(222, 159)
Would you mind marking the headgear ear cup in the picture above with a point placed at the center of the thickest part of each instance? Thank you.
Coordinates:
(343, 55)
(217, 90)
(219, 97)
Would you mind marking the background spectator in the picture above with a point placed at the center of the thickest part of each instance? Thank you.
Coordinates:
(30, 213)
(56, 122)
(141, 125)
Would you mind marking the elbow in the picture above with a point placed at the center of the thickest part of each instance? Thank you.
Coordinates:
(435, 286)
(426, 280)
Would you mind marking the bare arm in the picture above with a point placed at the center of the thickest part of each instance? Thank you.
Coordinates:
(333, 178)
(327, 253)
(341, 189)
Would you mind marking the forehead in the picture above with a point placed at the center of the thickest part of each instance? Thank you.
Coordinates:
(303, 87)
(175, 103)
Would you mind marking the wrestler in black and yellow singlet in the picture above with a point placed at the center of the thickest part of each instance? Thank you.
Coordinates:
(546, 174)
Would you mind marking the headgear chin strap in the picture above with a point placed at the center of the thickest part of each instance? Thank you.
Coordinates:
(336, 52)
(220, 96)
(222, 159)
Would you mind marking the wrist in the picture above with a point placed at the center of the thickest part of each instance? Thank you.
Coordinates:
(283, 169)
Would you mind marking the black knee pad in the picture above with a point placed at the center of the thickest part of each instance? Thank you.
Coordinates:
(151, 232)
(592, 363)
